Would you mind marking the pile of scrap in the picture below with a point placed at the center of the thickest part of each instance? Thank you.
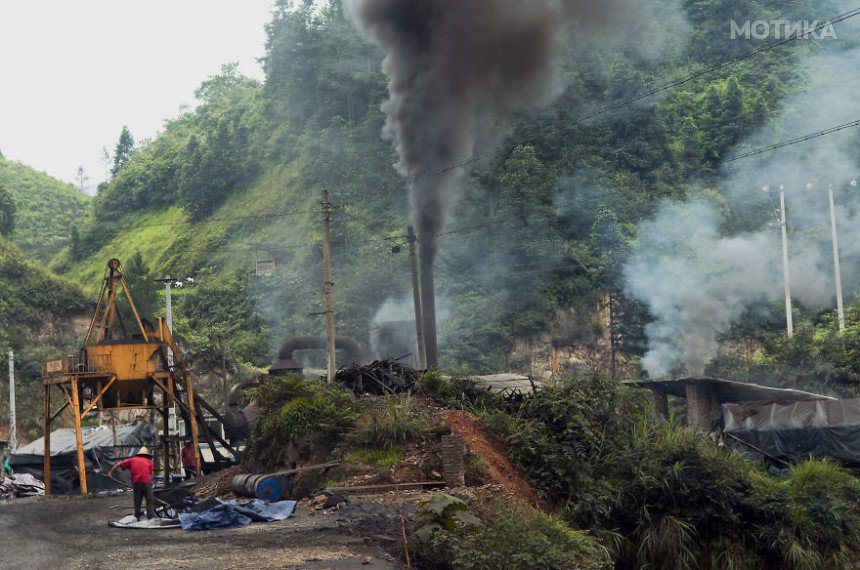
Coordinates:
(381, 377)
(21, 485)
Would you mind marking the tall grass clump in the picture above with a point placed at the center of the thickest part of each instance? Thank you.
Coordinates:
(393, 425)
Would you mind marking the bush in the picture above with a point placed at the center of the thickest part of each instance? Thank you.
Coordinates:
(514, 536)
(564, 433)
(663, 496)
(293, 406)
(820, 523)
(456, 392)
(684, 502)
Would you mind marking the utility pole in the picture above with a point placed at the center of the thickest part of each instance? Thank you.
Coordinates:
(786, 277)
(168, 308)
(840, 311)
(13, 430)
(328, 288)
(416, 300)
(613, 361)
(169, 284)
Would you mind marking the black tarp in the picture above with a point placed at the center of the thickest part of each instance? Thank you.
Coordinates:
(819, 428)
(99, 455)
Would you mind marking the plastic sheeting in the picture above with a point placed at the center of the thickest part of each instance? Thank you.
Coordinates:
(131, 521)
(21, 485)
(98, 455)
(231, 514)
(819, 428)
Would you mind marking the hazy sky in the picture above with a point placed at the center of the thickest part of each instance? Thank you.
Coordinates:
(75, 71)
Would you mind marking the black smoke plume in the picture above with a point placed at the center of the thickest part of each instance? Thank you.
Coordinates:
(458, 71)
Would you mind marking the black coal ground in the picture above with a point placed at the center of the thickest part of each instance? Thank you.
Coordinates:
(73, 533)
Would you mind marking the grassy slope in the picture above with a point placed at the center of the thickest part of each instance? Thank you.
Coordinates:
(170, 243)
(47, 209)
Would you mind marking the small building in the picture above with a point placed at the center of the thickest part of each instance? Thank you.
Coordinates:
(778, 424)
(706, 396)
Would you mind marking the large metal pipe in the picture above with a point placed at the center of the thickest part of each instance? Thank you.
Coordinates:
(286, 362)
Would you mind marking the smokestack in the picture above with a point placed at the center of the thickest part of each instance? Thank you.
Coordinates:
(428, 304)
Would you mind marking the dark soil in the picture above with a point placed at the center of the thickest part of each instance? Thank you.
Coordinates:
(73, 533)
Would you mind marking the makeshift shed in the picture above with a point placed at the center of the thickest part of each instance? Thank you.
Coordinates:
(704, 396)
(796, 430)
(100, 453)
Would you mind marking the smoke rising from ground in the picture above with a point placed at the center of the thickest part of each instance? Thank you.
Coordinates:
(697, 281)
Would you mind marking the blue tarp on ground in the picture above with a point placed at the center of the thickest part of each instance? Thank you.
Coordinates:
(231, 514)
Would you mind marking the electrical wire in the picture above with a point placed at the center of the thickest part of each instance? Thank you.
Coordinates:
(794, 141)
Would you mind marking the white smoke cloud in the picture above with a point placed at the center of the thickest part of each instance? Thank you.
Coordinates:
(697, 282)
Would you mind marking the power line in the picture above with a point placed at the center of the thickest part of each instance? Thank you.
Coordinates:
(794, 141)
(660, 88)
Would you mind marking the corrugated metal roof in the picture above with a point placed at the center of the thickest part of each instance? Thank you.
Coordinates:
(63, 440)
(731, 391)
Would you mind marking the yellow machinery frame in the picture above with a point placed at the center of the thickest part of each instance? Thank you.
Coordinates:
(119, 374)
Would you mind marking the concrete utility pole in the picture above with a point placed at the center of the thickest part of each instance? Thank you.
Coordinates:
(786, 277)
(169, 284)
(416, 300)
(328, 288)
(168, 308)
(840, 310)
(13, 422)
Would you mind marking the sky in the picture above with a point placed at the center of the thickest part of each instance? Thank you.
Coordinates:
(74, 72)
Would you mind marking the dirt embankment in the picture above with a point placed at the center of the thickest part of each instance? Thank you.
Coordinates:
(492, 452)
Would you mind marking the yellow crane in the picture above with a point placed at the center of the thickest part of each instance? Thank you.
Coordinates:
(118, 369)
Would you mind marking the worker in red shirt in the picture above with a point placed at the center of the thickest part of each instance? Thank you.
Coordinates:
(189, 459)
(140, 467)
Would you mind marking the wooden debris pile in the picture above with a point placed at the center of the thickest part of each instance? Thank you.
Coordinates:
(380, 377)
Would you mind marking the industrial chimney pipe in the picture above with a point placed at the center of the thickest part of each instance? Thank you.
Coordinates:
(428, 304)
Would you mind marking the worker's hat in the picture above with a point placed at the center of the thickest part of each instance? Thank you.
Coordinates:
(144, 451)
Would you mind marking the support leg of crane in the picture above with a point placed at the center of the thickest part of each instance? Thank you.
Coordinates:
(190, 390)
(76, 409)
(46, 465)
(165, 417)
(193, 420)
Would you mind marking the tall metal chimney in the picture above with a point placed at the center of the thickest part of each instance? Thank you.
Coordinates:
(428, 303)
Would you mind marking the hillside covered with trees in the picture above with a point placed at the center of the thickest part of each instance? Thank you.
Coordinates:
(543, 226)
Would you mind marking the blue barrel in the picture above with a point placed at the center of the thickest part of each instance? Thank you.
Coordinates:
(268, 489)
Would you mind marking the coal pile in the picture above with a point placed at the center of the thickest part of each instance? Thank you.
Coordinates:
(381, 377)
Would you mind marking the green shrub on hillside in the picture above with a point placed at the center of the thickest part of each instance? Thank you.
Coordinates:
(293, 406)
(45, 209)
(664, 496)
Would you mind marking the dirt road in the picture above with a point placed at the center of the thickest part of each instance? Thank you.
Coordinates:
(73, 533)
